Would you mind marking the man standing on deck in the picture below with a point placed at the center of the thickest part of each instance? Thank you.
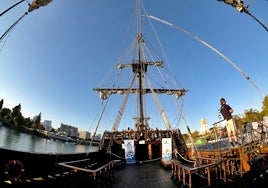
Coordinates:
(226, 112)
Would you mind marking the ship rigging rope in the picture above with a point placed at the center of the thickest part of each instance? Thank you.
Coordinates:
(108, 74)
(146, 47)
(122, 108)
(257, 19)
(194, 148)
(240, 7)
(8, 9)
(120, 113)
(161, 110)
(169, 69)
(11, 28)
(158, 69)
(209, 46)
(179, 110)
(98, 124)
(167, 123)
(190, 161)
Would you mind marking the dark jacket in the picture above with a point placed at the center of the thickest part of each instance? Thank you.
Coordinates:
(225, 111)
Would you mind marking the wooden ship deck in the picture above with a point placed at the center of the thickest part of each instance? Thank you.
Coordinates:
(142, 175)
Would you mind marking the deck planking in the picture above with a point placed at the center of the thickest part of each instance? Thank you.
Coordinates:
(143, 175)
(138, 175)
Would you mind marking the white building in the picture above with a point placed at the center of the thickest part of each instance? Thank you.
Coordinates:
(84, 135)
(204, 126)
(47, 125)
(97, 137)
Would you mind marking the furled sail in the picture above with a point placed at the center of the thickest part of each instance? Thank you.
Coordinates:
(38, 3)
(237, 4)
(241, 7)
(104, 92)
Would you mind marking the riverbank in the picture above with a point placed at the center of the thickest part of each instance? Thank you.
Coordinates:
(27, 130)
(49, 136)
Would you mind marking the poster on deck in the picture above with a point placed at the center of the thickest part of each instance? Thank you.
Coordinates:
(129, 151)
(166, 149)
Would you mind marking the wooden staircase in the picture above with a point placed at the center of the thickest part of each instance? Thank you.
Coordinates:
(106, 142)
(179, 145)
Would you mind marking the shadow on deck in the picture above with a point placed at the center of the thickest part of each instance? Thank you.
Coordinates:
(145, 175)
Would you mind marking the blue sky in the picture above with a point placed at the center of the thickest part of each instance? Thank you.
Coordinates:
(57, 54)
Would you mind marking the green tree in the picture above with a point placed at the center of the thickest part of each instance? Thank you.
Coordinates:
(28, 122)
(239, 122)
(252, 115)
(16, 111)
(5, 112)
(186, 137)
(16, 115)
(265, 106)
(1, 104)
(37, 122)
(195, 135)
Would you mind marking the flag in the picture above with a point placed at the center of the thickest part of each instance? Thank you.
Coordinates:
(129, 151)
(166, 149)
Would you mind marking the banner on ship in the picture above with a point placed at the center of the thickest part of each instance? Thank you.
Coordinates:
(166, 149)
(129, 151)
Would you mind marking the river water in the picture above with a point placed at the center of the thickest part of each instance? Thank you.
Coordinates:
(12, 139)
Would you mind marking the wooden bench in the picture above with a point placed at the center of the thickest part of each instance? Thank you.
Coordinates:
(180, 170)
(89, 168)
